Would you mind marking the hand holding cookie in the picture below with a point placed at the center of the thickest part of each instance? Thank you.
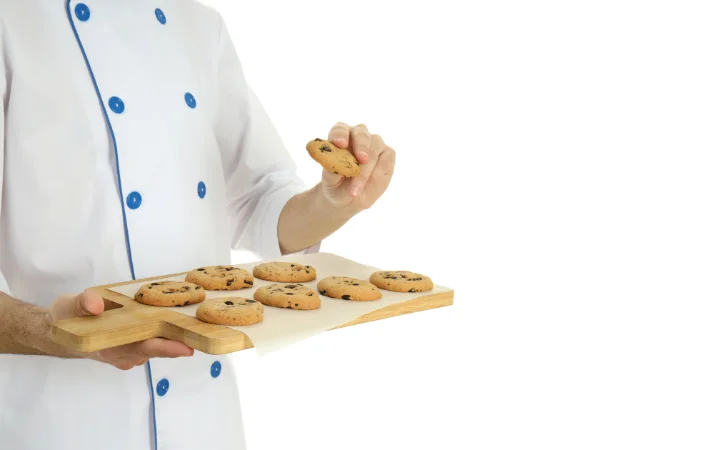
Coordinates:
(377, 164)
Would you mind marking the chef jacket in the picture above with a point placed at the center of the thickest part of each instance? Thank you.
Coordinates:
(132, 147)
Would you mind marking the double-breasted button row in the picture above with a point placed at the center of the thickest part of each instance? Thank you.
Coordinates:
(117, 104)
(163, 386)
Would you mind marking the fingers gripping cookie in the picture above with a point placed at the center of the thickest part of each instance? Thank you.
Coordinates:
(336, 160)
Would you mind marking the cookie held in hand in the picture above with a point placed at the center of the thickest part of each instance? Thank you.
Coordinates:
(347, 288)
(220, 278)
(292, 296)
(232, 311)
(401, 281)
(336, 160)
(170, 293)
(284, 272)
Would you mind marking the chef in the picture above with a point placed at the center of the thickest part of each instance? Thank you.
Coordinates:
(132, 147)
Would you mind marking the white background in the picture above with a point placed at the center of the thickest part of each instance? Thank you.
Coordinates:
(558, 166)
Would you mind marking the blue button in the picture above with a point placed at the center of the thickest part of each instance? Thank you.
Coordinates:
(190, 100)
(201, 189)
(134, 200)
(162, 387)
(160, 16)
(117, 105)
(215, 369)
(82, 12)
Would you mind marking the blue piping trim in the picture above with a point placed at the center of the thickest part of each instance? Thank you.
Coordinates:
(152, 396)
(122, 200)
(112, 134)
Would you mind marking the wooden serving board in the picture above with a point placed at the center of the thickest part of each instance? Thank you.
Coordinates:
(126, 321)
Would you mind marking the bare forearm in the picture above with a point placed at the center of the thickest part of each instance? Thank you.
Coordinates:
(25, 329)
(308, 218)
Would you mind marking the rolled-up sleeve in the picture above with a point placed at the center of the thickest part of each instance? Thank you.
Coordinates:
(260, 175)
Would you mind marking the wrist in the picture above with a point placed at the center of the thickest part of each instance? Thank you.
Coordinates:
(310, 217)
(26, 329)
(34, 330)
(323, 205)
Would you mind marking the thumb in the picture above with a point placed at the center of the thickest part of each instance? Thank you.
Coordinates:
(88, 303)
(331, 180)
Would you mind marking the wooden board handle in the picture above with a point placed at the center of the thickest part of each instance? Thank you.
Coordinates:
(110, 329)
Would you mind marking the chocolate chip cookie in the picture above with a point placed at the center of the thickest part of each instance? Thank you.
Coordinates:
(292, 296)
(233, 311)
(337, 160)
(170, 293)
(401, 281)
(284, 272)
(220, 278)
(347, 288)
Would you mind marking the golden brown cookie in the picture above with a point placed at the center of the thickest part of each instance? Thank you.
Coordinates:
(337, 160)
(220, 278)
(401, 281)
(293, 296)
(233, 311)
(347, 288)
(284, 272)
(170, 293)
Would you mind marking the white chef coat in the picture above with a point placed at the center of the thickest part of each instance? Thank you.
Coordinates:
(131, 147)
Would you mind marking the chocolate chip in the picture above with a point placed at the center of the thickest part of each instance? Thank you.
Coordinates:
(414, 279)
(346, 297)
(186, 303)
(307, 267)
(325, 148)
(318, 140)
(197, 288)
(185, 288)
(230, 282)
(290, 293)
(335, 173)
(322, 292)
(412, 290)
(140, 295)
(289, 307)
(403, 276)
(291, 286)
(249, 282)
(251, 301)
(154, 284)
(292, 265)
(355, 284)
(310, 294)
(297, 304)
(229, 303)
(202, 269)
(307, 271)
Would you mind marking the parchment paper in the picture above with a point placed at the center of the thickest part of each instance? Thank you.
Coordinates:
(282, 327)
